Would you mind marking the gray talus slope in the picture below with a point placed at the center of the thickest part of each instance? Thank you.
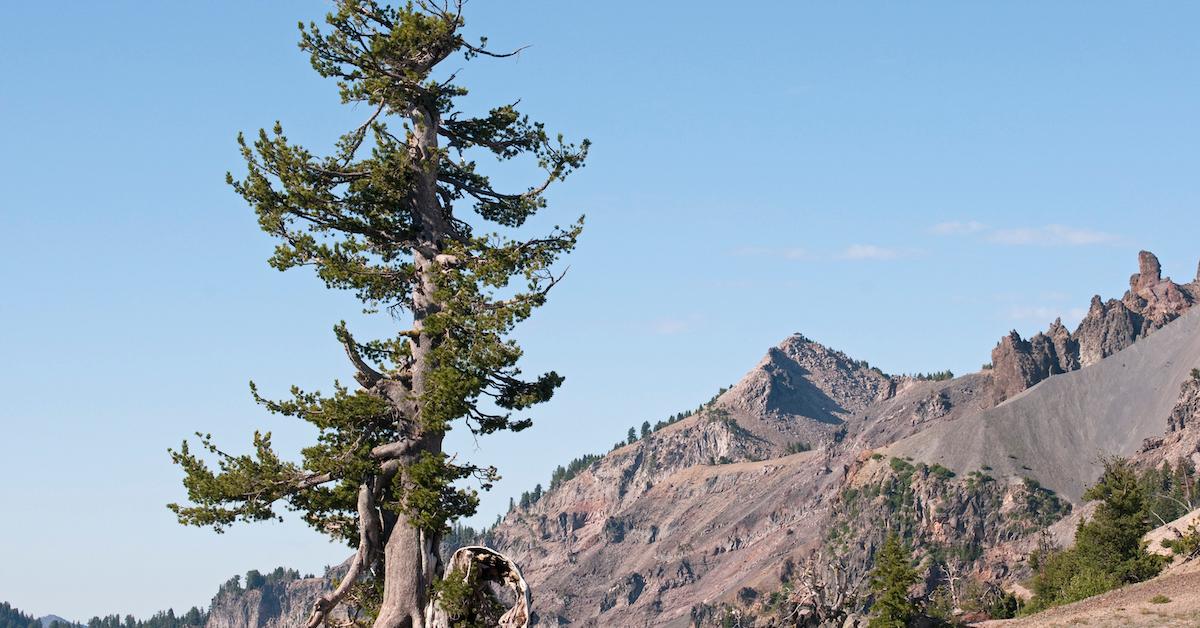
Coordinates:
(1055, 431)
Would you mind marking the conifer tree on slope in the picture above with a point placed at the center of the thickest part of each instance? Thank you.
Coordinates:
(891, 579)
(386, 215)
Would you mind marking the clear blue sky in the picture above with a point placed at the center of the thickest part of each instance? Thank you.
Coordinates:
(903, 181)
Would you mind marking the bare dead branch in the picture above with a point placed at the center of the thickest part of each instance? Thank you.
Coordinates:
(326, 603)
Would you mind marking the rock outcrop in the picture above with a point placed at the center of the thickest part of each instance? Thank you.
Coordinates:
(1181, 440)
(277, 600)
(1018, 364)
(939, 510)
(1106, 329)
(1157, 301)
(1109, 326)
(1187, 412)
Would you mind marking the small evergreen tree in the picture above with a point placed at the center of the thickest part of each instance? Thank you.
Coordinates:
(255, 579)
(1112, 540)
(1108, 552)
(890, 581)
(645, 429)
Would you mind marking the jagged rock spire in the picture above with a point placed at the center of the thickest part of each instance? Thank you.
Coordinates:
(1149, 272)
(1108, 327)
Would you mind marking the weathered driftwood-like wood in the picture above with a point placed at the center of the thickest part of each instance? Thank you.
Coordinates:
(484, 568)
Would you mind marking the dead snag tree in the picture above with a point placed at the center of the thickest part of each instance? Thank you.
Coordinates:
(385, 215)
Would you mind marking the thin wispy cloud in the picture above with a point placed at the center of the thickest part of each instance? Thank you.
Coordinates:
(673, 326)
(1046, 235)
(870, 252)
(958, 228)
(853, 252)
(1051, 235)
(785, 253)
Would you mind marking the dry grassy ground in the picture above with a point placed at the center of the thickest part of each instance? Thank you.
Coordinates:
(1129, 606)
(1172, 599)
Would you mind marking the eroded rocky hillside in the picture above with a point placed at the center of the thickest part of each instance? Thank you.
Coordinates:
(816, 453)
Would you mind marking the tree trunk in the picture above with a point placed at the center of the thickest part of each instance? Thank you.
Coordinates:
(411, 561)
(412, 566)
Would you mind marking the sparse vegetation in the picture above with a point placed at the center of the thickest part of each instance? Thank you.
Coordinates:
(565, 474)
(901, 466)
(1160, 599)
(936, 376)
(798, 447)
(1187, 545)
(679, 416)
(940, 472)
(958, 595)
(1171, 491)
(529, 498)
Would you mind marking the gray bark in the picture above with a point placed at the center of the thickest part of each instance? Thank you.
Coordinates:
(411, 562)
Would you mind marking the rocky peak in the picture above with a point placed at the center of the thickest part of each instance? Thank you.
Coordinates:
(802, 378)
(1149, 272)
(1157, 300)
(1066, 347)
(1109, 326)
(1018, 364)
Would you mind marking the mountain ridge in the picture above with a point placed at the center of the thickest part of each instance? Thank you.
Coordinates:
(680, 532)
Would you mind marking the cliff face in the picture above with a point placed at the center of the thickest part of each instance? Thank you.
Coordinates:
(1186, 412)
(1150, 304)
(278, 600)
(1181, 441)
(271, 606)
(958, 517)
